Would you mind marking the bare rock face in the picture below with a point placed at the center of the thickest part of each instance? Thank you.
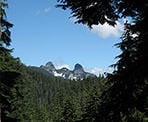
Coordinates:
(49, 67)
(77, 73)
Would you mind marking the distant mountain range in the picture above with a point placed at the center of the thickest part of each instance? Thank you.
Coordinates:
(77, 73)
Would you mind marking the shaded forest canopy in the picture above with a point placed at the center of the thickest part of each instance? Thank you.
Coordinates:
(122, 96)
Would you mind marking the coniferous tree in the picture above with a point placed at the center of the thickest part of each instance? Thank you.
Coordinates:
(128, 84)
(4, 28)
(8, 67)
(91, 108)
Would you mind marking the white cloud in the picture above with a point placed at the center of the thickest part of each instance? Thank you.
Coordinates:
(97, 71)
(106, 30)
(59, 66)
(45, 10)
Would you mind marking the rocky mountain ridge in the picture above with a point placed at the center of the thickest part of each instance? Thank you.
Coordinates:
(77, 73)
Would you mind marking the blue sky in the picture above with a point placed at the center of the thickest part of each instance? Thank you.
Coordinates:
(43, 33)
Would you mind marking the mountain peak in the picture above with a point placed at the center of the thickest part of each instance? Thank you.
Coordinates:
(78, 67)
(77, 73)
(50, 65)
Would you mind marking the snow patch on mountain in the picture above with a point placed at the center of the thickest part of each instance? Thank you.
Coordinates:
(77, 73)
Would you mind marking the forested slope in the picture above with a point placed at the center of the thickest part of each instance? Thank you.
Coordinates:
(46, 98)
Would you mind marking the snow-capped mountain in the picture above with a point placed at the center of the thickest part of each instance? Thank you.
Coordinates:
(77, 73)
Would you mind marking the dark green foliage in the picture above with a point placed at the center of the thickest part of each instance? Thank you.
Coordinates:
(126, 94)
(51, 99)
(27, 94)
(9, 73)
(91, 108)
(68, 111)
(90, 12)
(9, 68)
(4, 28)
(129, 83)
